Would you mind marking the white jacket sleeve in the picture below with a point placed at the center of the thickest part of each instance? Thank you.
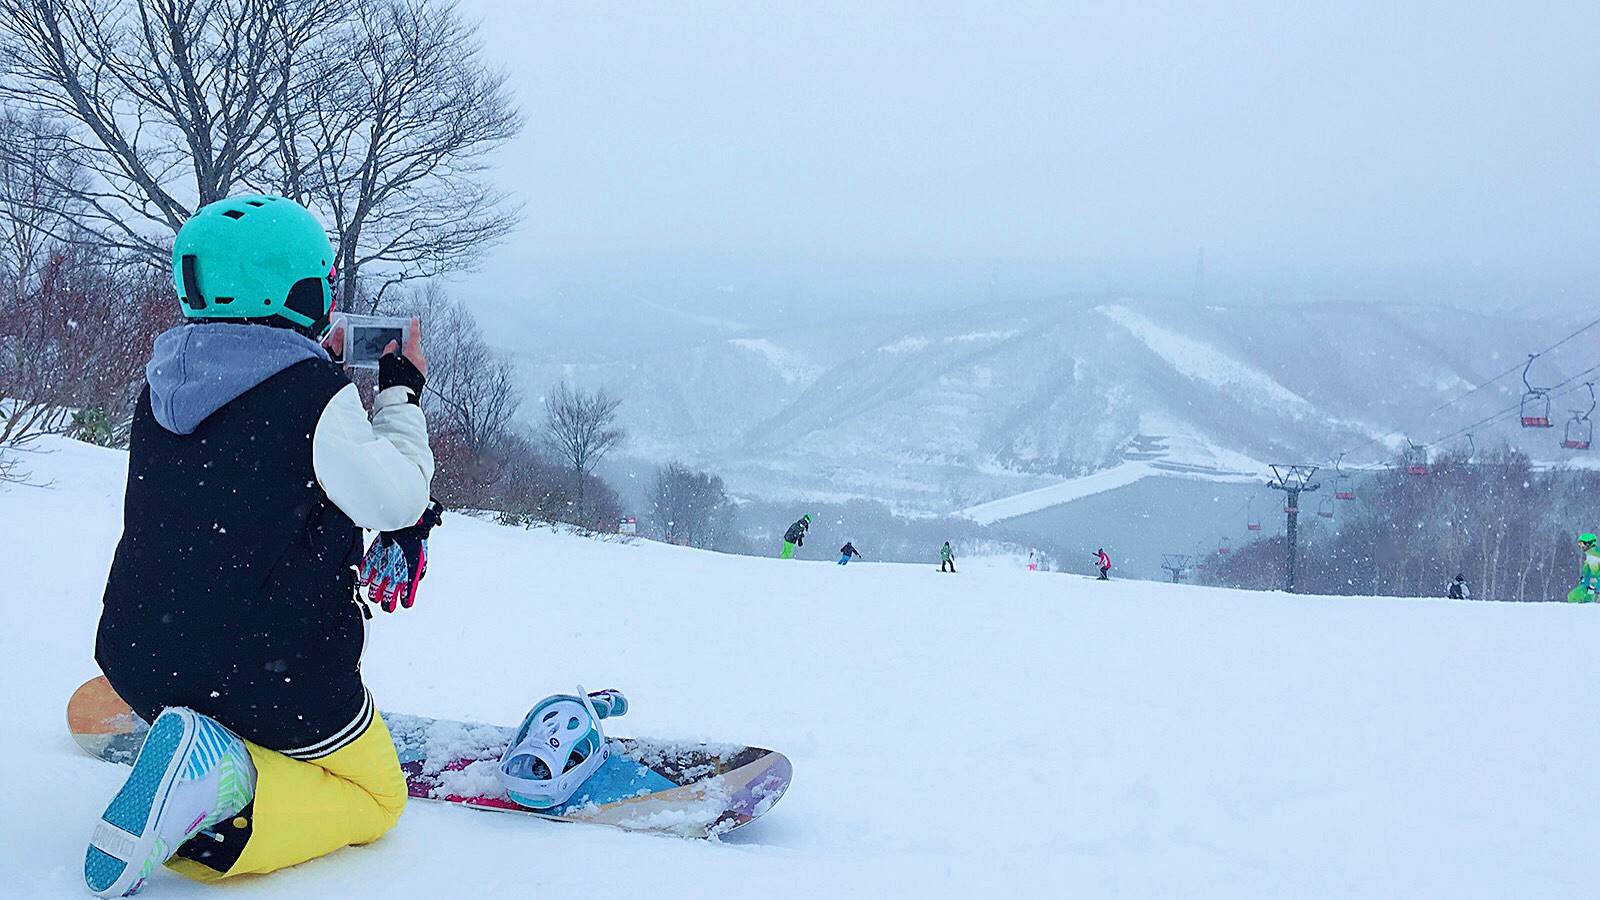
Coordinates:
(378, 472)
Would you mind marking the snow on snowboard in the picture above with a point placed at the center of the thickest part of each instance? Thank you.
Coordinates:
(686, 789)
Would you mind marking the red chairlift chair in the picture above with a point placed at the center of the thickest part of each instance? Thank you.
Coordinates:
(1325, 509)
(1416, 459)
(1535, 401)
(1342, 489)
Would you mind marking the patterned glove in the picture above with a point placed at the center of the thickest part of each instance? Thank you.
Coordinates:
(397, 560)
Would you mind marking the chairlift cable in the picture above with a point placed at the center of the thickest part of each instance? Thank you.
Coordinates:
(1453, 401)
(1494, 418)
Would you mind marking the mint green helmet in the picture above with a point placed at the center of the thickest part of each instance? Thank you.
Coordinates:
(1586, 538)
(254, 257)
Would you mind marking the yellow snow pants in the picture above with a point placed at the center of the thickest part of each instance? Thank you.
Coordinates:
(304, 810)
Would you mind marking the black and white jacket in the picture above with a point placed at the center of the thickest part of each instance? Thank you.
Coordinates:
(253, 467)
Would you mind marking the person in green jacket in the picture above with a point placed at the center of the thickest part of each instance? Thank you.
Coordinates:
(947, 558)
(1588, 571)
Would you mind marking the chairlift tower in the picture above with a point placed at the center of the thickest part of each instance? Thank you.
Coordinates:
(1177, 565)
(1293, 481)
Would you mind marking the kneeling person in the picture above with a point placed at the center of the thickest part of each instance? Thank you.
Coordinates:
(231, 617)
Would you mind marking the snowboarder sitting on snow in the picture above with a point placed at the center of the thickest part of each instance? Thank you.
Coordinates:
(796, 536)
(847, 551)
(1588, 571)
(231, 617)
(1459, 589)
(1102, 562)
(947, 557)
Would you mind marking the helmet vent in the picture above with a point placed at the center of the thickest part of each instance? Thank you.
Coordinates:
(255, 203)
(234, 214)
(221, 300)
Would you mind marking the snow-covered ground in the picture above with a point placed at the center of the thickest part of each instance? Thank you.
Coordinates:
(1118, 476)
(994, 733)
(1071, 489)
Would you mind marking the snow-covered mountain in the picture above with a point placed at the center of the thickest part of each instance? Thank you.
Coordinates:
(944, 412)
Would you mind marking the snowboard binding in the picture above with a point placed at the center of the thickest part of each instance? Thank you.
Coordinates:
(559, 745)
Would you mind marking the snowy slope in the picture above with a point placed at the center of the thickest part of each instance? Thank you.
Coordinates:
(983, 734)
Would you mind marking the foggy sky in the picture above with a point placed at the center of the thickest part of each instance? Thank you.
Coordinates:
(829, 155)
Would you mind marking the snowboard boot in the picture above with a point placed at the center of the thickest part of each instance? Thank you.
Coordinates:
(191, 774)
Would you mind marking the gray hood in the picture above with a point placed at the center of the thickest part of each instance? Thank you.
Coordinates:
(198, 369)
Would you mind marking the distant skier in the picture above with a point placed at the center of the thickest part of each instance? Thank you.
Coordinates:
(1102, 561)
(847, 551)
(1033, 561)
(795, 536)
(947, 558)
(1459, 589)
(1588, 571)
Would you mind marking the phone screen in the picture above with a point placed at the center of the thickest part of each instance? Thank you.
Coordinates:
(367, 343)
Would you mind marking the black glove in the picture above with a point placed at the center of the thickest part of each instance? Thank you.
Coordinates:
(395, 370)
(397, 560)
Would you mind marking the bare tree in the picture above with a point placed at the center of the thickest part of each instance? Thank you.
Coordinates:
(472, 390)
(78, 341)
(377, 113)
(581, 426)
(172, 102)
(38, 178)
(689, 507)
(76, 320)
(392, 144)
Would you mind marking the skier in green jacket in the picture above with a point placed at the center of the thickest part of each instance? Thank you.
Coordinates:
(1588, 571)
(947, 558)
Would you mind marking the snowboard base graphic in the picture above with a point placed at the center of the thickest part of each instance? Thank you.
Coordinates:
(688, 789)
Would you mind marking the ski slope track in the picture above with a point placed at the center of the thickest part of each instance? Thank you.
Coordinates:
(994, 733)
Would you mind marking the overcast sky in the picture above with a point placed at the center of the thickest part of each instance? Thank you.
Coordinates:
(836, 154)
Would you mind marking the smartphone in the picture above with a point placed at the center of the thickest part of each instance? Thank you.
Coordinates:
(366, 336)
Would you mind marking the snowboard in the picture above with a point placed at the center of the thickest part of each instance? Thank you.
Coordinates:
(687, 789)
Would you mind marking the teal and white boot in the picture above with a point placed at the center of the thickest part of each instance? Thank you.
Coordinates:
(191, 774)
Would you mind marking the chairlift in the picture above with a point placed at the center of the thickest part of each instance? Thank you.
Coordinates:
(1535, 401)
(1580, 431)
(1252, 522)
(1472, 448)
(1325, 508)
(1224, 548)
(1342, 489)
(1416, 459)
